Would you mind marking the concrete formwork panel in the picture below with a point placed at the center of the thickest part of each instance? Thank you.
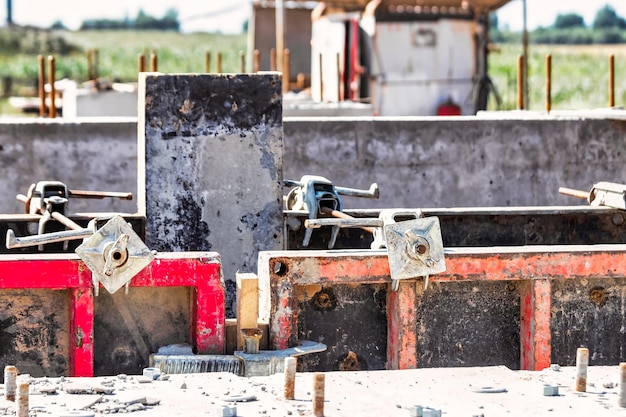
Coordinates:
(210, 164)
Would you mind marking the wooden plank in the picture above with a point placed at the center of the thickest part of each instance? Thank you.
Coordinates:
(247, 304)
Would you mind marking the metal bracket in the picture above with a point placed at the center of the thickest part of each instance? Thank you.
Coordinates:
(414, 249)
(114, 254)
(317, 195)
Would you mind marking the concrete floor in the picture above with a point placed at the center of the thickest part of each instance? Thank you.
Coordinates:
(455, 391)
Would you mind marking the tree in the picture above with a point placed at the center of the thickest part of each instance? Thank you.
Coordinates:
(607, 18)
(569, 21)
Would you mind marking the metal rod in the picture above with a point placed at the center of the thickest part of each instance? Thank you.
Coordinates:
(273, 59)
(548, 82)
(53, 107)
(520, 82)
(321, 74)
(280, 34)
(65, 221)
(319, 380)
(339, 83)
(99, 194)
(207, 62)
(141, 62)
(612, 80)
(257, 61)
(357, 222)
(23, 242)
(574, 193)
(219, 62)
(525, 54)
(42, 86)
(153, 62)
(286, 71)
(582, 360)
(290, 377)
(10, 382)
(242, 62)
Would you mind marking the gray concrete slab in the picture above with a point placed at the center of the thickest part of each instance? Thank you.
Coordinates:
(488, 391)
(210, 164)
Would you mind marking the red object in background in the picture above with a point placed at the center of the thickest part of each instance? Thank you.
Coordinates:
(199, 270)
(449, 108)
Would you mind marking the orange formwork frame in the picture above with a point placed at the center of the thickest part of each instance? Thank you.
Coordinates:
(199, 270)
(535, 266)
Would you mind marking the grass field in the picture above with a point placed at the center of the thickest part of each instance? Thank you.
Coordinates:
(579, 73)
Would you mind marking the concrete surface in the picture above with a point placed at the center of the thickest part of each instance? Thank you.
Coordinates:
(454, 391)
(210, 164)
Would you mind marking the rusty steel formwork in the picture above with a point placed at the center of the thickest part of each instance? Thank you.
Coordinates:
(524, 307)
(68, 331)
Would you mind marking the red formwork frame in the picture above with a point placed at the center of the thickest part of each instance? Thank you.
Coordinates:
(200, 270)
(535, 266)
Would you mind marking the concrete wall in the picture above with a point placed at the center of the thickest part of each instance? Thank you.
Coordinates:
(87, 154)
(461, 161)
(418, 162)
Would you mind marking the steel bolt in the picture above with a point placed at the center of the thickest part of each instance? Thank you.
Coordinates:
(319, 380)
(10, 382)
(22, 399)
(582, 360)
(290, 377)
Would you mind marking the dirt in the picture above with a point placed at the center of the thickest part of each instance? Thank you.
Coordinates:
(486, 391)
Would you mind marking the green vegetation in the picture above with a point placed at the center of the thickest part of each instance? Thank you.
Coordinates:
(580, 75)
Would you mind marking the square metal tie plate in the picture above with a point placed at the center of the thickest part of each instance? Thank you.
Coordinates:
(114, 254)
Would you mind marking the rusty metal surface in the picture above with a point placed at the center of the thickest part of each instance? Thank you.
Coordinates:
(136, 325)
(491, 306)
(588, 313)
(34, 331)
(464, 324)
(351, 320)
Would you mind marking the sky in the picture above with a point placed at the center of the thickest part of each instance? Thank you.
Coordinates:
(228, 16)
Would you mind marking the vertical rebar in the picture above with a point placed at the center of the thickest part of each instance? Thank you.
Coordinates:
(219, 62)
(141, 62)
(286, 71)
(339, 97)
(272, 59)
(319, 380)
(53, 92)
(300, 81)
(622, 384)
(520, 82)
(548, 82)
(96, 64)
(41, 86)
(207, 62)
(256, 65)
(153, 62)
(90, 64)
(10, 382)
(242, 62)
(321, 75)
(582, 360)
(611, 80)
(22, 399)
(290, 377)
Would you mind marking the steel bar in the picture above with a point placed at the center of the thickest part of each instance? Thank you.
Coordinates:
(100, 194)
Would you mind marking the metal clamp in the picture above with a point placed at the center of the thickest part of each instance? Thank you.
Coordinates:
(114, 254)
(318, 196)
